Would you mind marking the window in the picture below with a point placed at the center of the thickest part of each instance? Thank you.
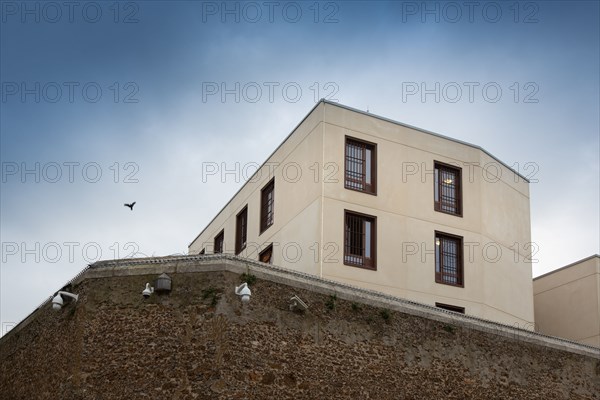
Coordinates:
(361, 166)
(447, 189)
(359, 240)
(267, 205)
(203, 251)
(450, 307)
(219, 242)
(448, 259)
(266, 255)
(241, 230)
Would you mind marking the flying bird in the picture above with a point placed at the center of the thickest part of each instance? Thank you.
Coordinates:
(130, 205)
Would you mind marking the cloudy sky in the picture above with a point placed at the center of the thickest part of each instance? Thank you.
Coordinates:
(110, 102)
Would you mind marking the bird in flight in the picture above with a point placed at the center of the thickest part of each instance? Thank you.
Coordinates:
(130, 205)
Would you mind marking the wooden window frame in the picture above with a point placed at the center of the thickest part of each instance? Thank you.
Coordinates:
(366, 188)
(449, 307)
(265, 221)
(241, 230)
(438, 185)
(440, 277)
(219, 237)
(366, 263)
(269, 248)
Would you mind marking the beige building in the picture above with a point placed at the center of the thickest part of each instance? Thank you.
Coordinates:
(567, 301)
(363, 200)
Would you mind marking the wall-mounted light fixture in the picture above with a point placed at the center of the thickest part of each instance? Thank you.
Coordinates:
(148, 291)
(163, 284)
(244, 291)
(297, 304)
(58, 300)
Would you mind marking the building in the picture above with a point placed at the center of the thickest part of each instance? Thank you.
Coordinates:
(363, 200)
(567, 301)
(199, 341)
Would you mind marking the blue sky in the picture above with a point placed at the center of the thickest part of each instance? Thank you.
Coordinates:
(156, 122)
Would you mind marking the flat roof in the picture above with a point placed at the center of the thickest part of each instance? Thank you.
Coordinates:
(567, 266)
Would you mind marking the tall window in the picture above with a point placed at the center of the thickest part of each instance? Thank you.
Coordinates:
(447, 189)
(267, 205)
(361, 166)
(359, 240)
(266, 255)
(448, 259)
(241, 230)
(219, 242)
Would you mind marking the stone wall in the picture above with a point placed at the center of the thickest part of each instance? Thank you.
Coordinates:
(199, 342)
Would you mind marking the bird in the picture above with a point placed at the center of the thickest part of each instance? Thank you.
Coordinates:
(130, 205)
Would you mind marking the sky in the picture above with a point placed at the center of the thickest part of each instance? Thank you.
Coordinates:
(105, 102)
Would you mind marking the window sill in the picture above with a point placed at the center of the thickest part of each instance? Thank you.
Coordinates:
(361, 191)
(461, 285)
(373, 268)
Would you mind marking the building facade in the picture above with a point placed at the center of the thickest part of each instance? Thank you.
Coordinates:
(567, 301)
(363, 200)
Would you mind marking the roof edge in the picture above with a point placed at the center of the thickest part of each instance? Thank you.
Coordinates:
(258, 169)
(425, 131)
(324, 101)
(567, 266)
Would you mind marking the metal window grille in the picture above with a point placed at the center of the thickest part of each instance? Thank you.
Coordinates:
(448, 260)
(219, 242)
(447, 190)
(267, 206)
(241, 230)
(360, 166)
(359, 241)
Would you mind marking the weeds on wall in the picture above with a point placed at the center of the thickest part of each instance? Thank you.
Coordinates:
(330, 303)
(385, 314)
(448, 328)
(248, 278)
(213, 294)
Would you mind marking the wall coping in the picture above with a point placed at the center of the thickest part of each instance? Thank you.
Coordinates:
(235, 264)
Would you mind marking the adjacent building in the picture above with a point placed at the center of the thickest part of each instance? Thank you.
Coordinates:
(367, 201)
(567, 301)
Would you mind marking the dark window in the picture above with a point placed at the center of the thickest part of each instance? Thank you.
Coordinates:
(451, 308)
(266, 255)
(241, 230)
(359, 240)
(361, 165)
(447, 189)
(203, 251)
(448, 259)
(267, 205)
(219, 242)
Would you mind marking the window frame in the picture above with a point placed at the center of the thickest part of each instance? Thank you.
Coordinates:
(438, 185)
(269, 248)
(220, 236)
(367, 188)
(450, 307)
(264, 217)
(241, 230)
(460, 274)
(372, 261)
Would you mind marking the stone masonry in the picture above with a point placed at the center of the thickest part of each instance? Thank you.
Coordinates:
(200, 342)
